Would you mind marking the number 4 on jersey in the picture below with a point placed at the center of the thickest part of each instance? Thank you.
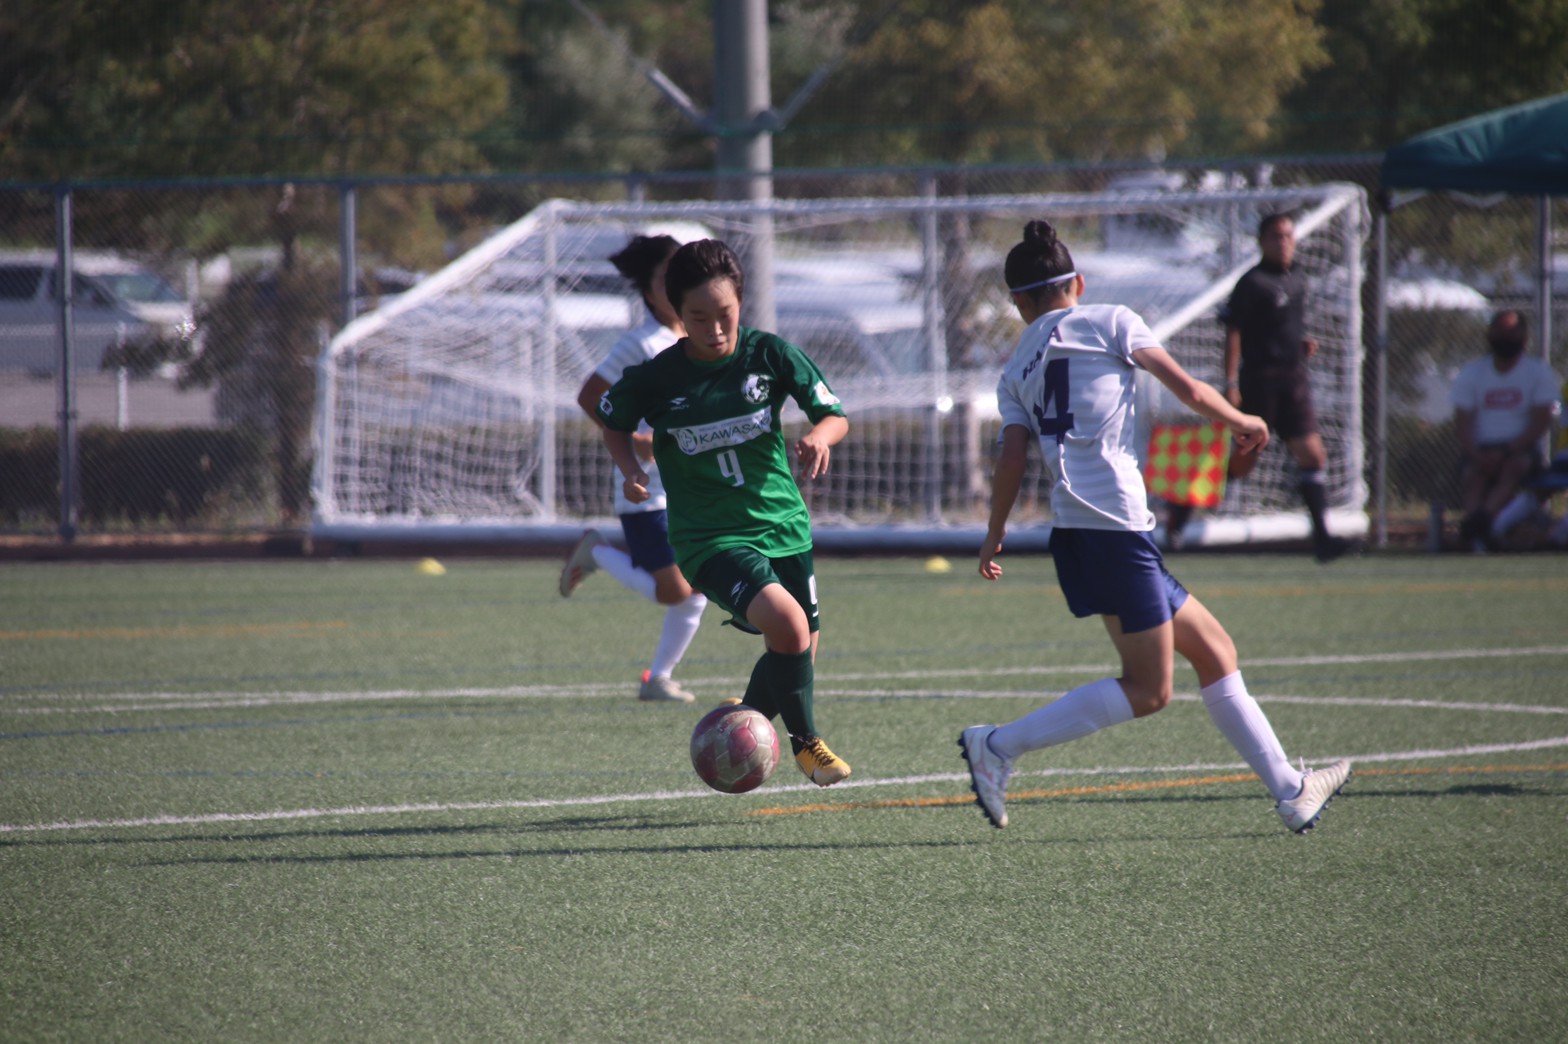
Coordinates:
(1054, 396)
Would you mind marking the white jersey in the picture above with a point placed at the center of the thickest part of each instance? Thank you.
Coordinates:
(632, 348)
(1502, 402)
(1070, 382)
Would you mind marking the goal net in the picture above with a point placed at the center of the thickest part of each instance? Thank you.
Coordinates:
(450, 411)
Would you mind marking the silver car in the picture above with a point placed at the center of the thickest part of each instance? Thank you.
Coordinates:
(118, 301)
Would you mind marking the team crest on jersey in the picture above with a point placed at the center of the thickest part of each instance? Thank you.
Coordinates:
(735, 431)
(756, 387)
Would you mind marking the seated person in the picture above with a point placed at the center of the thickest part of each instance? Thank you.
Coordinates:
(1503, 408)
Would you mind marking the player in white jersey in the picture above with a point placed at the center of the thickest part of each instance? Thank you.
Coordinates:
(1069, 389)
(648, 565)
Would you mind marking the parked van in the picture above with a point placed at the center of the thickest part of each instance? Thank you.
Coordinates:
(116, 301)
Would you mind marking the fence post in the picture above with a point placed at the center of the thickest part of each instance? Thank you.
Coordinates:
(348, 254)
(931, 308)
(65, 294)
(1380, 211)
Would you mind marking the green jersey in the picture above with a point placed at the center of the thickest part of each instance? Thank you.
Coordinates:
(719, 444)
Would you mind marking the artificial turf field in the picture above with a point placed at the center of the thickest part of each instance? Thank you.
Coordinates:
(318, 800)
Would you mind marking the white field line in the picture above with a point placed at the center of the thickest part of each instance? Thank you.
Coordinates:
(357, 811)
(76, 703)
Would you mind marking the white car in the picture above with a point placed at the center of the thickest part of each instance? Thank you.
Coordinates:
(116, 301)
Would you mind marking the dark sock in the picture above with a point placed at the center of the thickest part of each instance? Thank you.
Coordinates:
(1176, 518)
(1317, 506)
(759, 691)
(792, 684)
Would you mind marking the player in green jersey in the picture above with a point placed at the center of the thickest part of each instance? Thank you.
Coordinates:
(738, 524)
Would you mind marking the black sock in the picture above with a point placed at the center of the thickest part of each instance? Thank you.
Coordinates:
(1176, 518)
(1316, 499)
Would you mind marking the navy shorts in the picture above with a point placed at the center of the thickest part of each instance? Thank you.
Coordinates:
(1283, 400)
(648, 540)
(1113, 572)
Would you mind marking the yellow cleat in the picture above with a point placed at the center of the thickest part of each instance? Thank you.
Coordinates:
(821, 765)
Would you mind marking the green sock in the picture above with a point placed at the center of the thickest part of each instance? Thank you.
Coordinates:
(792, 682)
(759, 691)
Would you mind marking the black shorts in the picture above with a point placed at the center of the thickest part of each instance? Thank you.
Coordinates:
(1283, 400)
(733, 577)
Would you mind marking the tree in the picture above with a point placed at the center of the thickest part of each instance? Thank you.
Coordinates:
(1004, 80)
(183, 88)
(1399, 67)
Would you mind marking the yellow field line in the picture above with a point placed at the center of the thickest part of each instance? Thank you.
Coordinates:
(212, 631)
(1126, 788)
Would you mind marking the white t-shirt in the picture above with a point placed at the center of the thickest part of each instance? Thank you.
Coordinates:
(635, 346)
(1070, 382)
(1502, 402)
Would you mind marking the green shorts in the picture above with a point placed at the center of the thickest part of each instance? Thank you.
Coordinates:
(733, 577)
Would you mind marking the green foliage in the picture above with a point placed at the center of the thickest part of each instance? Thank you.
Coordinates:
(183, 476)
(264, 334)
(1400, 67)
(154, 88)
(179, 87)
(1008, 80)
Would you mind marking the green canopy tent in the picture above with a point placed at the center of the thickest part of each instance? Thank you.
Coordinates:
(1521, 150)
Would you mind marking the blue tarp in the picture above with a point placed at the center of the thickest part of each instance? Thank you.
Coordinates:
(1521, 150)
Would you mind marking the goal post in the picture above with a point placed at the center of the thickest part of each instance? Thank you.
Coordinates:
(450, 412)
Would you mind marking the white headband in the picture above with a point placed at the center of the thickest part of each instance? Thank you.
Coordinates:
(1043, 282)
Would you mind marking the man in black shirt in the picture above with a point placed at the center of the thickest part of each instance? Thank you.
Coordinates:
(1266, 353)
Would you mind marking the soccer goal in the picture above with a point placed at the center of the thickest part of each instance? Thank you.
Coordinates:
(450, 412)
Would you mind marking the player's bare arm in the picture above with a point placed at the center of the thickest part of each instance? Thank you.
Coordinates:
(815, 448)
(590, 393)
(1250, 432)
(1006, 481)
(635, 486)
(588, 397)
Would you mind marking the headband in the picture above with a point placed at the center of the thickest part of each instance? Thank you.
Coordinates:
(1043, 282)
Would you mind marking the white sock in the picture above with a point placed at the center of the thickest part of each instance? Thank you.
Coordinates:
(1243, 722)
(1079, 712)
(1513, 513)
(680, 627)
(619, 565)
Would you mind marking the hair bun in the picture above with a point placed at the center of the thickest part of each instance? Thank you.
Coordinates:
(1040, 231)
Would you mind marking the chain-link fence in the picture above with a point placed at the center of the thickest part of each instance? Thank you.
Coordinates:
(199, 310)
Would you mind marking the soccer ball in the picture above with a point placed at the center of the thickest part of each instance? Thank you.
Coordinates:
(734, 748)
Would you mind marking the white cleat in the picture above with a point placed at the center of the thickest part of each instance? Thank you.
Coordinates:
(663, 690)
(1318, 788)
(988, 772)
(580, 564)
